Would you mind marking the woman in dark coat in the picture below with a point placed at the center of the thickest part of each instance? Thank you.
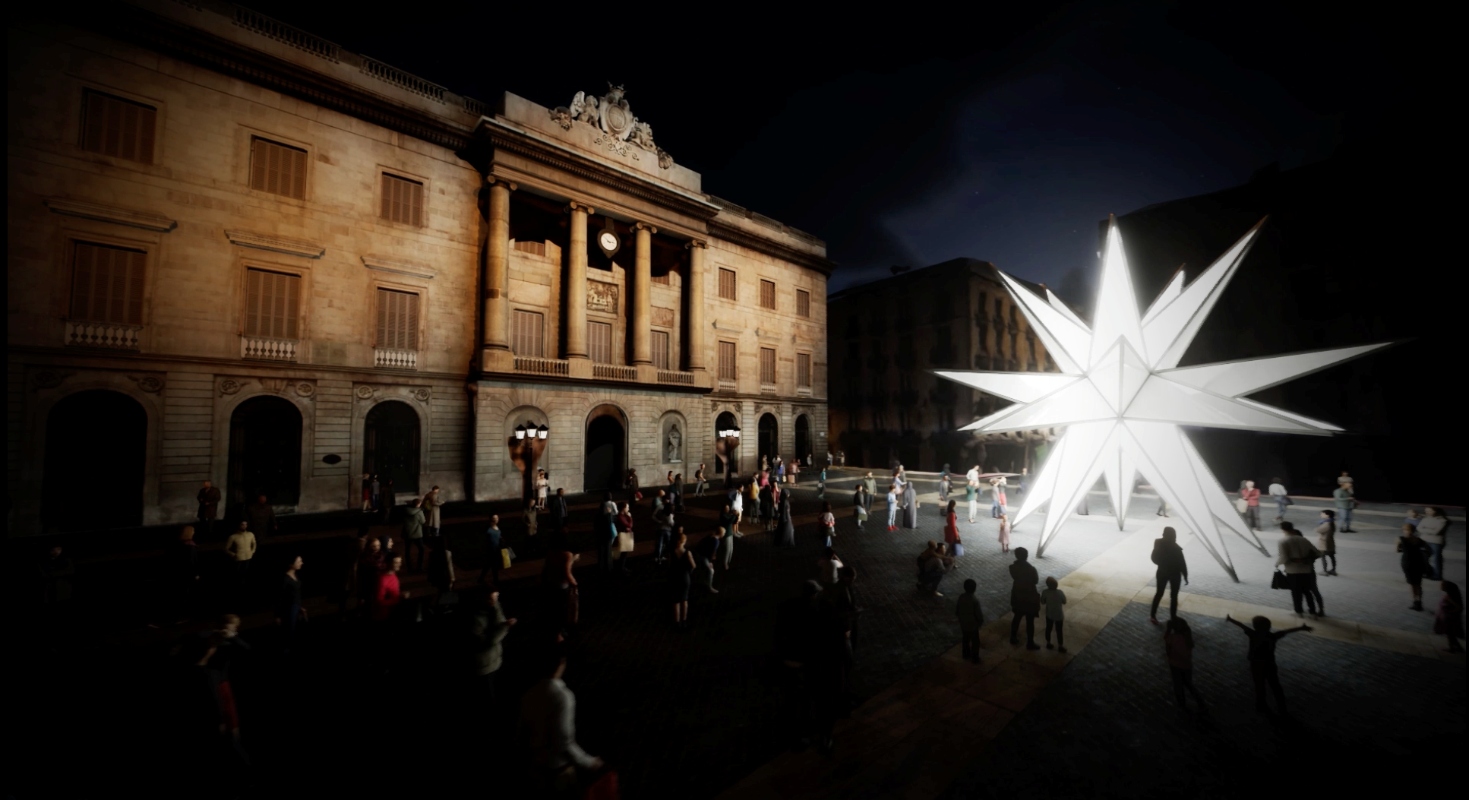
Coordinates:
(910, 506)
(1414, 563)
(767, 506)
(786, 533)
(1025, 601)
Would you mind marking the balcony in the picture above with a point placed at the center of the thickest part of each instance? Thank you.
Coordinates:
(767, 388)
(388, 358)
(259, 348)
(803, 391)
(542, 366)
(103, 334)
(675, 377)
(727, 385)
(613, 372)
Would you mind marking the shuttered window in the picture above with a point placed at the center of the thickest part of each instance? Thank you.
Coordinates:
(803, 303)
(727, 361)
(803, 370)
(659, 343)
(277, 168)
(527, 333)
(113, 126)
(599, 342)
(767, 294)
(727, 284)
(107, 284)
(272, 304)
(534, 248)
(665, 279)
(403, 201)
(767, 366)
(397, 320)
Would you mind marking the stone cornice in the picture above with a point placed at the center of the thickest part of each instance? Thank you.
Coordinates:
(176, 40)
(733, 235)
(276, 244)
(502, 138)
(120, 216)
(397, 267)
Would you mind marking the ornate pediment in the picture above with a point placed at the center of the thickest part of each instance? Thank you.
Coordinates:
(618, 130)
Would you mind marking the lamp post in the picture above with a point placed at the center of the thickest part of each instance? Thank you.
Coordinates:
(526, 448)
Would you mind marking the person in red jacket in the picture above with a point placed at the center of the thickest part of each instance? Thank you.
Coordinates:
(389, 591)
(951, 527)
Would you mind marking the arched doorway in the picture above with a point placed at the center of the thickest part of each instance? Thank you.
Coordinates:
(769, 437)
(390, 445)
(726, 449)
(265, 452)
(803, 440)
(96, 452)
(606, 456)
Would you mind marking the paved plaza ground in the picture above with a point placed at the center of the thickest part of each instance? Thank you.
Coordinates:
(695, 714)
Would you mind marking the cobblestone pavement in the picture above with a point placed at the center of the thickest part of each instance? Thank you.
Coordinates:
(1108, 726)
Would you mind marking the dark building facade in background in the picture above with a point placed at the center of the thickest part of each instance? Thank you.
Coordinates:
(1340, 262)
(886, 340)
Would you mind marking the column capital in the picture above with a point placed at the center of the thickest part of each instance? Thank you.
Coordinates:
(491, 180)
(643, 226)
(575, 206)
(699, 243)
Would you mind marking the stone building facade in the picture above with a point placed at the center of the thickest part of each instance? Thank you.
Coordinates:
(888, 338)
(239, 253)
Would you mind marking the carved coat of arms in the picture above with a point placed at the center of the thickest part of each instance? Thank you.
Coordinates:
(611, 115)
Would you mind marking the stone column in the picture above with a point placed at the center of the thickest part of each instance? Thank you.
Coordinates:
(642, 295)
(576, 283)
(694, 287)
(495, 316)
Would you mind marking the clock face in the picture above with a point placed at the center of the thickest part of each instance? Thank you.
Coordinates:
(608, 240)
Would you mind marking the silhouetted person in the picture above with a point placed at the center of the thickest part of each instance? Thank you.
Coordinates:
(208, 498)
(413, 525)
(487, 630)
(1449, 621)
(494, 541)
(1262, 658)
(1054, 601)
(971, 619)
(559, 767)
(1171, 567)
(1025, 601)
(1414, 562)
(261, 518)
(290, 610)
(1178, 646)
(441, 569)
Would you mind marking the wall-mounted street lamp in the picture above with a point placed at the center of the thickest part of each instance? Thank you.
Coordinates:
(526, 448)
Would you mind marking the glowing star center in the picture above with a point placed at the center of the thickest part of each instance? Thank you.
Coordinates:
(1121, 396)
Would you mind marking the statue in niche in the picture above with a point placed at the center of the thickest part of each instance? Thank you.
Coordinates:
(675, 445)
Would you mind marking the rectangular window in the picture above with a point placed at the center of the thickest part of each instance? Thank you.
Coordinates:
(803, 370)
(113, 126)
(666, 279)
(727, 284)
(527, 333)
(599, 342)
(403, 201)
(277, 168)
(107, 284)
(534, 248)
(272, 304)
(767, 366)
(659, 343)
(767, 294)
(803, 303)
(397, 320)
(727, 370)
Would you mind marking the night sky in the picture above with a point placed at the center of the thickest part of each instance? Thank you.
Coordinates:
(1003, 135)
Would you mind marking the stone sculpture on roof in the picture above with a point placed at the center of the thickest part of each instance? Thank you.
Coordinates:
(611, 115)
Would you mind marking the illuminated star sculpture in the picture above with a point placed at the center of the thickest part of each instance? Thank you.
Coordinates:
(1121, 396)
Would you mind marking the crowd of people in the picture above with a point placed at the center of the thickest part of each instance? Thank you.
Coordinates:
(815, 631)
